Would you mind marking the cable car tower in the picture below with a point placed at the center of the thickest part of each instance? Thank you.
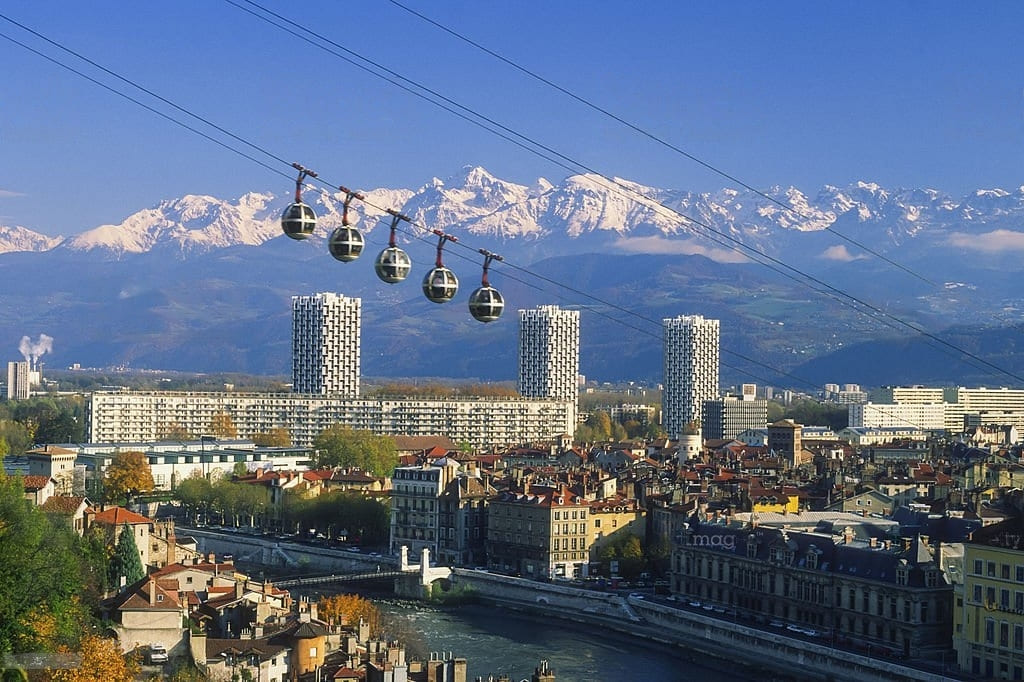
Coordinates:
(299, 220)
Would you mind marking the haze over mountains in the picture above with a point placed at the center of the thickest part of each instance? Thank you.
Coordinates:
(203, 284)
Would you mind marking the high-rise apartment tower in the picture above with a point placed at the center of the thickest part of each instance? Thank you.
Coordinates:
(325, 345)
(691, 370)
(549, 355)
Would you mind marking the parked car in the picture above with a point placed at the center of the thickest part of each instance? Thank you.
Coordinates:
(157, 654)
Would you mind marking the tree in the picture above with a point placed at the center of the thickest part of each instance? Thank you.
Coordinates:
(196, 493)
(223, 426)
(45, 576)
(275, 438)
(126, 562)
(348, 609)
(101, 661)
(59, 427)
(173, 431)
(346, 447)
(128, 475)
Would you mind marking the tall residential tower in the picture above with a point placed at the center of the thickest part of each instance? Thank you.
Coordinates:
(549, 356)
(691, 370)
(325, 345)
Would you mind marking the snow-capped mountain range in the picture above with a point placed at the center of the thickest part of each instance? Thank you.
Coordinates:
(145, 291)
(636, 218)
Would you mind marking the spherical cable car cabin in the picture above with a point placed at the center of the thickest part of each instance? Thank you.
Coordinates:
(346, 242)
(393, 264)
(440, 284)
(486, 303)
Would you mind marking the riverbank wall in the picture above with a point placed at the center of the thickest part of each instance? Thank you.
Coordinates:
(691, 631)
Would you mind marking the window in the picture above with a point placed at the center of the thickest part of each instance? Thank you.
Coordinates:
(990, 631)
(990, 569)
(1004, 571)
(978, 566)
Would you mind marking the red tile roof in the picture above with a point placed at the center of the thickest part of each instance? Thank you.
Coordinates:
(115, 516)
(34, 483)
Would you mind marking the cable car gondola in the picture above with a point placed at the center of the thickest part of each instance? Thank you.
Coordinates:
(346, 242)
(486, 303)
(393, 264)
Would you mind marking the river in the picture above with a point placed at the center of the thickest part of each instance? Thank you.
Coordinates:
(495, 641)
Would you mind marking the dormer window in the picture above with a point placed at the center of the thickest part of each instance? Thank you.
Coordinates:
(902, 574)
(751, 549)
(812, 560)
(775, 555)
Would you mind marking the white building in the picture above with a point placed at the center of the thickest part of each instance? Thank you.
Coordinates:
(963, 407)
(690, 370)
(927, 416)
(325, 344)
(17, 380)
(549, 355)
(120, 416)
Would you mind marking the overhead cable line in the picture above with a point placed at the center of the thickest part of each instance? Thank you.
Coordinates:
(611, 183)
(651, 136)
(277, 158)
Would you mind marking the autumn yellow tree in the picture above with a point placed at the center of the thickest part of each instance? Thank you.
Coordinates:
(347, 609)
(129, 474)
(275, 438)
(101, 661)
(223, 426)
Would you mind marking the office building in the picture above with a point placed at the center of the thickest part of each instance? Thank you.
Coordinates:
(729, 416)
(549, 355)
(690, 370)
(17, 380)
(325, 345)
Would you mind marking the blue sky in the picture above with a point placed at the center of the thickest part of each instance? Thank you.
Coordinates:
(905, 94)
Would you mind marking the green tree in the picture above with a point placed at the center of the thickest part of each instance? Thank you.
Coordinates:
(128, 475)
(346, 447)
(126, 562)
(196, 493)
(59, 427)
(46, 592)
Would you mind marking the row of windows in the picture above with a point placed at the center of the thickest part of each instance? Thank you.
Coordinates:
(988, 569)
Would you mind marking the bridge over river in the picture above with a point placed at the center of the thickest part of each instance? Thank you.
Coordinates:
(329, 564)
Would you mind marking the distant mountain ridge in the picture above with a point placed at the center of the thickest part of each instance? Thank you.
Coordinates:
(203, 284)
(477, 203)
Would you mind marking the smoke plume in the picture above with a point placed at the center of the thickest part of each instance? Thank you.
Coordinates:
(33, 351)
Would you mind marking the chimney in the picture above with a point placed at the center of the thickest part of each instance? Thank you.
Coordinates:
(873, 543)
(152, 592)
(238, 589)
(847, 535)
(172, 547)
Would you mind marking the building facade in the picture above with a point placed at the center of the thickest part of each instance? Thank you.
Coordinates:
(541, 532)
(988, 631)
(730, 416)
(325, 344)
(142, 416)
(891, 595)
(17, 380)
(929, 416)
(691, 354)
(549, 355)
(416, 505)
